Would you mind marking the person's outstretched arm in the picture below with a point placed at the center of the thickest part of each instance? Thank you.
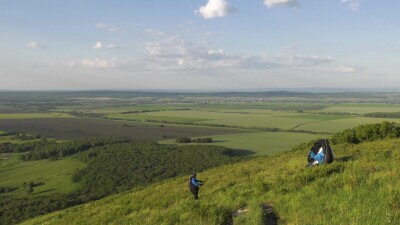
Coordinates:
(196, 182)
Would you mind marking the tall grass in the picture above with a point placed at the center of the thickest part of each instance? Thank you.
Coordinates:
(362, 186)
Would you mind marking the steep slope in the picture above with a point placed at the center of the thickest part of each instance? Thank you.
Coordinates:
(361, 187)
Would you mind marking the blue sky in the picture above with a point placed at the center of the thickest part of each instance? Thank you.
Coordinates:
(199, 44)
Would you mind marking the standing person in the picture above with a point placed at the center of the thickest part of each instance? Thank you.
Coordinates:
(194, 185)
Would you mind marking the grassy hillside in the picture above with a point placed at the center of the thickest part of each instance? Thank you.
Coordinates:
(47, 175)
(361, 187)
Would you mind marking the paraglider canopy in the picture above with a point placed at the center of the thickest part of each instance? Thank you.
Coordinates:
(320, 153)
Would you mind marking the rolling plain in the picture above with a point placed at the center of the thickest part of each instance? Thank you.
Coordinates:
(252, 126)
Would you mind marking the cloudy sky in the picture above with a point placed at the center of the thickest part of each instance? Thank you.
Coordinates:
(199, 44)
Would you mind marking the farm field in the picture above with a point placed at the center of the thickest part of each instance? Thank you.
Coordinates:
(261, 119)
(260, 143)
(362, 108)
(119, 109)
(33, 115)
(84, 127)
(48, 176)
(162, 116)
(341, 124)
(232, 106)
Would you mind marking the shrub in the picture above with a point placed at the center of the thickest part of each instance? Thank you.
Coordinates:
(183, 140)
(367, 132)
(203, 140)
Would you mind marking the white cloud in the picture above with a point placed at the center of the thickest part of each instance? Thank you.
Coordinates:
(170, 47)
(99, 63)
(180, 62)
(153, 48)
(109, 27)
(99, 45)
(154, 32)
(110, 46)
(301, 60)
(175, 53)
(214, 9)
(33, 44)
(216, 52)
(347, 69)
(353, 4)
(285, 3)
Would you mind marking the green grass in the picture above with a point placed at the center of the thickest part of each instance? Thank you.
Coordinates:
(321, 117)
(341, 124)
(55, 176)
(14, 139)
(279, 103)
(119, 109)
(360, 187)
(278, 119)
(146, 116)
(362, 108)
(261, 143)
(9, 139)
(259, 119)
(33, 115)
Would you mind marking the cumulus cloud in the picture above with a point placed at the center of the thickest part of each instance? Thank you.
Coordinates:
(175, 53)
(353, 4)
(33, 44)
(301, 60)
(100, 45)
(180, 62)
(99, 63)
(284, 3)
(214, 9)
(154, 32)
(109, 27)
(153, 48)
(216, 52)
(348, 69)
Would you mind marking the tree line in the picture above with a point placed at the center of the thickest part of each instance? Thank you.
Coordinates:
(383, 114)
(58, 150)
(195, 140)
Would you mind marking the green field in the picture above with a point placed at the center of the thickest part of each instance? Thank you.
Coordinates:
(341, 124)
(360, 187)
(362, 108)
(263, 119)
(120, 109)
(33, 115)
(324, 123)
(261, 143)
(70, 128)
(49, 176)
